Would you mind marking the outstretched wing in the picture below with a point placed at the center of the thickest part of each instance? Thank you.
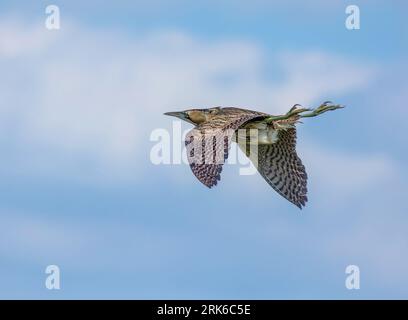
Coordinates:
(281, 167)
(208, 145)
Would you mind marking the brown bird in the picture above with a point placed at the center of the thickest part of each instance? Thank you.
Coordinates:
(269, 141)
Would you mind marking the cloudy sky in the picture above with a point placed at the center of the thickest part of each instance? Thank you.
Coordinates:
(78, 189)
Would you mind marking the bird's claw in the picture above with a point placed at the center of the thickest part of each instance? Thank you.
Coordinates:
(295, 111)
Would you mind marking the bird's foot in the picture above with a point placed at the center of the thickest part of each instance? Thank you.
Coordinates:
(299, 112)
(326, 106)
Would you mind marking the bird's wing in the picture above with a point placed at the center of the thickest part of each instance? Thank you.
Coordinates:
(281, 167)
(208, 144)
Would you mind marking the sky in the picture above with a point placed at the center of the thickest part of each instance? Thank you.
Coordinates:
(78, 188)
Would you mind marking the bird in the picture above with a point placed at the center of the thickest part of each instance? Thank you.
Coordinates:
(269, 141)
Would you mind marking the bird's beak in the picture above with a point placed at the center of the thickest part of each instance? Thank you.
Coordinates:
(180, 114)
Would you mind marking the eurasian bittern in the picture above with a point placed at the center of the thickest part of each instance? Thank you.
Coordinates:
(269, 141)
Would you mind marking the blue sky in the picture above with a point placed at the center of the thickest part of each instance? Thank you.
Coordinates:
(78, 189)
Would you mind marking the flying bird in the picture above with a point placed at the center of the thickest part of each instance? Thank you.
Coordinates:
(269, 142)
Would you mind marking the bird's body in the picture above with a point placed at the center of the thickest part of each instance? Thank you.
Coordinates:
(269, 141)
(266, 133)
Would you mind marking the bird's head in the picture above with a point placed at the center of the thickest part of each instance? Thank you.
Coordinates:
(195, 116)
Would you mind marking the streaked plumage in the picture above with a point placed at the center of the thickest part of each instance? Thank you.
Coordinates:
(272, 148)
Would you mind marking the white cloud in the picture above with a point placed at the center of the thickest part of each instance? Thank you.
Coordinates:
(17, 39)
(315, 74)
(342, 173)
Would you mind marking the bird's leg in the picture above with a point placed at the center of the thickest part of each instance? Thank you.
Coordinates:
(292, 112)
(300, 112)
